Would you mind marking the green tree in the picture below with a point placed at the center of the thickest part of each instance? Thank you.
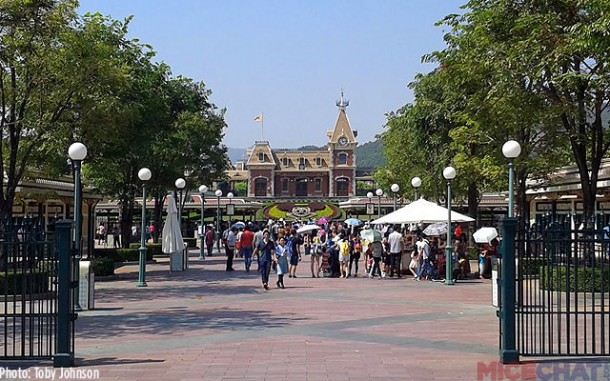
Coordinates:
(551, 57)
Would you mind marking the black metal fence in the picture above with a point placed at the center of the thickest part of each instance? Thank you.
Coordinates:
(562, 288)
(29, 291)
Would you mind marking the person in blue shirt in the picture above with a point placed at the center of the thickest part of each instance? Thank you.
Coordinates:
(265, 250)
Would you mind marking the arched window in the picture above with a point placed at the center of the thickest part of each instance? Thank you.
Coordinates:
(260, 187)
(342, 159)
(342, 186)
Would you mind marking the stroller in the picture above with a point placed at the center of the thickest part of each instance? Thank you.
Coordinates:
(325, 265)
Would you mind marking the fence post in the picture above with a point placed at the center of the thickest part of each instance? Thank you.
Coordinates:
(65, 354)
(508, 350)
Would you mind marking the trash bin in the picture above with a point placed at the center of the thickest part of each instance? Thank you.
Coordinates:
(496, 264)
(86, 286)
(176, 261)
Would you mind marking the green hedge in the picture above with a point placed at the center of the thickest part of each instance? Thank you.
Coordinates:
(102, 266)
(13, 283)
(153, 248)
(589, 279)
(532, 266)
(122, 255)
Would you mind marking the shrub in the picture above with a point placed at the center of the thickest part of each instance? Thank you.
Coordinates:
(532, 266)
(19, 282)
(102, 266)
(579, 279)
(107, 253)
(473, 253)
(153, 248)
(132, 255)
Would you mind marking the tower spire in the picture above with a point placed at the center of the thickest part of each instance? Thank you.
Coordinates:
(342, 103)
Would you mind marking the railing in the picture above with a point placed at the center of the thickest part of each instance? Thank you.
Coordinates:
(31, 287)
(562, 289)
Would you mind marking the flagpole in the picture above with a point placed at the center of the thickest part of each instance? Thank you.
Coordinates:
(262, 124)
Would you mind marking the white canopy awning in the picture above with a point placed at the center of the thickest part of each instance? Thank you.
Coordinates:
(421, 211)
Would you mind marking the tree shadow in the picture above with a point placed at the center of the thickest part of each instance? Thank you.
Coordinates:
(176, 320)
(103, 361)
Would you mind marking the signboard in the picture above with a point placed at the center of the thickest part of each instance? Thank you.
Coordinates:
(370, 208)
(230, 209)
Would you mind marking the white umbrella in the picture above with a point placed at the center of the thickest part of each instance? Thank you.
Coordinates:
(172, 237)
(307, 228)
(421, 211)
(438, 228)
(485, 235)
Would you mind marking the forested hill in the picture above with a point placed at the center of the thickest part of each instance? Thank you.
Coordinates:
(368, 155)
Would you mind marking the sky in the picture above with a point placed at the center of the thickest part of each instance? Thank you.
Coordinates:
(290, 59)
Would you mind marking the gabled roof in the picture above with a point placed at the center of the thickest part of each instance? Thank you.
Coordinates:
(264, 148)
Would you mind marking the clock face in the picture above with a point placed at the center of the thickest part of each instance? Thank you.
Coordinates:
(343, 141)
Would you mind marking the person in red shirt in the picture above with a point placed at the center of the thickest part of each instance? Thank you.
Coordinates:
(246, 246)
(209, 239)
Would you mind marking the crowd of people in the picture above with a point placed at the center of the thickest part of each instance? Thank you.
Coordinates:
(339, 250)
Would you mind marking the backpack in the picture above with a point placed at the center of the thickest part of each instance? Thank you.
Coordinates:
(432, 252)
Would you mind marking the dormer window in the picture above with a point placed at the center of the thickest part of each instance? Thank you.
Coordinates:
(261, 156)
(285, 161)
(342, 158)
(319, 161)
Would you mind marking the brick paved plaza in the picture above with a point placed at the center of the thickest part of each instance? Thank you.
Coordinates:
(208, 324)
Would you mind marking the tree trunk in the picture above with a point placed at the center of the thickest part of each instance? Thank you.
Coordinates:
(473, 201)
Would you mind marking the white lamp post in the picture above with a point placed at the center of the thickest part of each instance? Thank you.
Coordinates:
(77, 153)
(202, 190)
(144, 174)
(416, 183)
(379, 193)
(511, 150)
(395, 188)
(218, 193)
(180, 184)
(449, 174)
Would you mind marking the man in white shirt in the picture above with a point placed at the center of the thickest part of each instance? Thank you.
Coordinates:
(396, 243)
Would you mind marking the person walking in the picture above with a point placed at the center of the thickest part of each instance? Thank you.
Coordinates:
(210, 234)
(427, 266)
(265, 251)
(247, 239)
(116, 236)
(294, 253)
(230, 247)
(396, 244)
(281, 260)
(376, 251)
(316, 255)
(354, 256)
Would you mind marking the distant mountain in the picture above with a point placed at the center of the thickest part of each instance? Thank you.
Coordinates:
(236, 154)
(370, 155)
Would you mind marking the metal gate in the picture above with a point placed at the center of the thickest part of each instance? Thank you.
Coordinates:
(30, 287)
(562, 289)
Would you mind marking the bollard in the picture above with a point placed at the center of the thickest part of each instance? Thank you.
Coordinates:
(65, 354)
(508, 350)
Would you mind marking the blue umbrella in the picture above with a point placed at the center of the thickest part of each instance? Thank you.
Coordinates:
(353, 222)
(239, 225)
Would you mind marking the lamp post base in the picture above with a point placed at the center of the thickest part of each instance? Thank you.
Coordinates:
(449, 266)
(142, 269)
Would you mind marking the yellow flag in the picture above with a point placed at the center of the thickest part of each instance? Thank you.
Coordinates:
(259, 118)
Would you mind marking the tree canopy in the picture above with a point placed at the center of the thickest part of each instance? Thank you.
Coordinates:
(67, 78)
(532, 71)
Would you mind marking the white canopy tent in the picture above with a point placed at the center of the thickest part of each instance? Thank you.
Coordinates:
(421, 211)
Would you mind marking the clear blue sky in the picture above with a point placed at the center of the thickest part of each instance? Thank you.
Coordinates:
(290, 58)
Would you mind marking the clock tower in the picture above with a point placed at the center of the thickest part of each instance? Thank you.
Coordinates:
(341, 148)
